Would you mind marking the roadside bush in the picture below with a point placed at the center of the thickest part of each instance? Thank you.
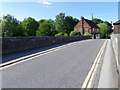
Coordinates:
(65, 34)
(87, 34)
(61, 34)
(75, 33)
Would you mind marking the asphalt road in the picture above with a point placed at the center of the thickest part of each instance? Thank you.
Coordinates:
(65, 68)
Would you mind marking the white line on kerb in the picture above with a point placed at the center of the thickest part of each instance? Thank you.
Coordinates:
(32, 56)
(88, 83)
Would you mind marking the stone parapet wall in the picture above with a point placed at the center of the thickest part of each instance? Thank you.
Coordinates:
(19, 44)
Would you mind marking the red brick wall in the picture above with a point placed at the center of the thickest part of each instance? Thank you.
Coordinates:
(86, 27)
(116, 29)
(95, 30)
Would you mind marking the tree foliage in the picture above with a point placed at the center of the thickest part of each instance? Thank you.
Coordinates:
(109, 25)
(46, 28)
(97, 21)
(104, 30)
(10, 27)
(30, 26)
(40, 22)
(62, 26)
(105, 27)
(60, 22)
(70, 23)
(65, 23)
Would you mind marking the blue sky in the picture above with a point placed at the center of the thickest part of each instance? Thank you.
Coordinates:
(107, 11)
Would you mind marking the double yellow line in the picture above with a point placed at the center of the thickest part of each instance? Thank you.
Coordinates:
(89, 81)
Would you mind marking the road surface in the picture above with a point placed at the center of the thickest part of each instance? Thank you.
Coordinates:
(64, 68)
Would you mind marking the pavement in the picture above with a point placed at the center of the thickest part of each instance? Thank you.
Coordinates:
(64, 68)
(109, 75)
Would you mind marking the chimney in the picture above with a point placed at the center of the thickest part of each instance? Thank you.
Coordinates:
(82, 18)
(82, 24)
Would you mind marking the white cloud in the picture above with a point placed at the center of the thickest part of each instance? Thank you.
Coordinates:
(45, 2)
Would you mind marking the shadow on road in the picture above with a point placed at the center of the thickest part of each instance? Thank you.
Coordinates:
(9, 57)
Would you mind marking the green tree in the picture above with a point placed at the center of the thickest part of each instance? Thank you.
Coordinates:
(65, 23)
(46, 28)
(41, 21)
(10, 27)
(70, 23)
(75, 21)
(97, 21)
(60, 22)
(109, 25)
(30, 26)
(104, 30)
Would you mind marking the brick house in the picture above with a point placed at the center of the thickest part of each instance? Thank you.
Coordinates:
(87, 26)
(116, 27)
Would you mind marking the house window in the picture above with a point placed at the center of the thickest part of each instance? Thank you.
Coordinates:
(77, 29)
(97, 30)
(93, 29)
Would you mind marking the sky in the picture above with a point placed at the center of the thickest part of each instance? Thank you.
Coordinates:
(107, 11)
(119, 10)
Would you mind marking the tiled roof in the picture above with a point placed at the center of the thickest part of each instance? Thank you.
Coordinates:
(116, 23)
(91, 23)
